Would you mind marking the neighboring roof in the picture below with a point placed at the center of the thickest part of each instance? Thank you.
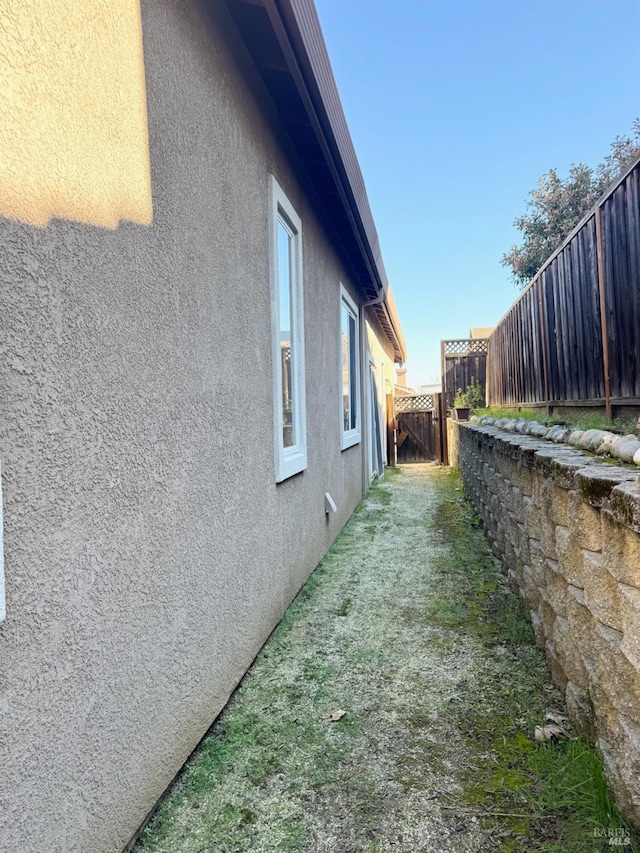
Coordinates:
(481, 332)
(286, 44)
(403, 391)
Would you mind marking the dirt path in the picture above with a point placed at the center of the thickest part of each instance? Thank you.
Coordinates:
(395, 634)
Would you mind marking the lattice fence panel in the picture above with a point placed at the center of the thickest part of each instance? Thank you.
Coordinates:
(419, 403)
(465, 347)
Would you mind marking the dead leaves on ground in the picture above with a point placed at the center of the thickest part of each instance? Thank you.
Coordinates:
(553, 728)
(334, 716)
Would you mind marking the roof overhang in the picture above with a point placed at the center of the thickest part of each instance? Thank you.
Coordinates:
(285, 42)
(387, 316)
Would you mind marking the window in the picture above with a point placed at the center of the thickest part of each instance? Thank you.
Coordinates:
(350, 370)
(287, 324)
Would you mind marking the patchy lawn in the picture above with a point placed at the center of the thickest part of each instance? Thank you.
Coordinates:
(394, 708)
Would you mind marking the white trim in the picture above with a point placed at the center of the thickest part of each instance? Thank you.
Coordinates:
(288, 460)
(352, 436)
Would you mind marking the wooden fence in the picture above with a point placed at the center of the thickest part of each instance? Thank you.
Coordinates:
(573, 336)
(463, 360)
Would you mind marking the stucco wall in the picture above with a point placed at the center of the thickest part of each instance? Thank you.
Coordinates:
(566, 528)
(383, 371)
(148, 550)
(73, 136)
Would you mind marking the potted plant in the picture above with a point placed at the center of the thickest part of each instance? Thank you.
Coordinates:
(460, 406)
(471, 398)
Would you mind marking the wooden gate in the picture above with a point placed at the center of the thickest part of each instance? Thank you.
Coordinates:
(415, 432)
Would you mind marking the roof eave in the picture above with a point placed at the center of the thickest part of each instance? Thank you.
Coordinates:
(296, 25)
(387, 316)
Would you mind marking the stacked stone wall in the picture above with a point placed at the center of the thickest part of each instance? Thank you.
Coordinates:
(566, 529)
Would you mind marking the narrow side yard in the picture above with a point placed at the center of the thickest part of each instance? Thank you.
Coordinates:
(394, 709)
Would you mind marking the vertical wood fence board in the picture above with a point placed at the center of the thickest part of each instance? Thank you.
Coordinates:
(537, 308)
(562, 320)
(633, 208)
(534, 338)
(556, 390)
(576, 350)
(604, 302)
(625, 290)
(521, 351)
(620, 289)
(593, 338)
(572, 279)
(609, 221)
(597, 387)
(580, 318)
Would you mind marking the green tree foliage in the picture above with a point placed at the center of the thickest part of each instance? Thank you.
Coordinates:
(556, 206)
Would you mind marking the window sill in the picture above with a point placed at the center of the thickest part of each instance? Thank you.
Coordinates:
(350, 439)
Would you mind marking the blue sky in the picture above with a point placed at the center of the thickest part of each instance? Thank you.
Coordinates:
(456, 109)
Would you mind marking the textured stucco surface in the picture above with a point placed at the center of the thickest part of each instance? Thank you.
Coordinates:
(148, 550)
(383, 372)
(73, 120)
(566, 528)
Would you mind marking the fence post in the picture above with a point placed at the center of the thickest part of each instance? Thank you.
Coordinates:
(545, 345)
(440, 404)
(392, 454)
(487, 376)
(603, 315)
(442, 371)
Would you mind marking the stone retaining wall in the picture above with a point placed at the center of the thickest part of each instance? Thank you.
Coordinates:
(566, 528)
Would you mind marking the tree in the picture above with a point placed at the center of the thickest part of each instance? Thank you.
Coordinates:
(556, 206)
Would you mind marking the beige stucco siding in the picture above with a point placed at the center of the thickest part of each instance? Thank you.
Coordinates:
(381, 354)
(148, 550)
(73, 137)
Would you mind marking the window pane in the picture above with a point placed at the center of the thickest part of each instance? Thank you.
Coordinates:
(287, 355)
(352, 371)
(346, 368)
(287, 322)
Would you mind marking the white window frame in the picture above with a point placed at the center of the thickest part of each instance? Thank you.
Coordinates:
(373, 409)
(349, 437)
(288, 460)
